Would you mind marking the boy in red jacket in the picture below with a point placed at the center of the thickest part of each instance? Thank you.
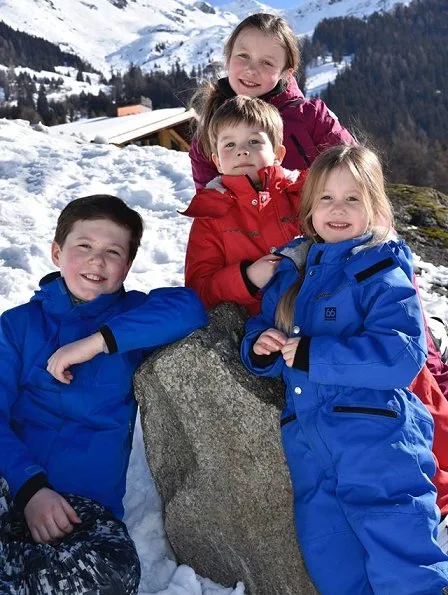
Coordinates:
(244, 213)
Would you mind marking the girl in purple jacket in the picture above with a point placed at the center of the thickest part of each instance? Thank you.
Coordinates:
(261, 57)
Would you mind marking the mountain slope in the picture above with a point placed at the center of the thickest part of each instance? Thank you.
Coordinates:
(113, 33)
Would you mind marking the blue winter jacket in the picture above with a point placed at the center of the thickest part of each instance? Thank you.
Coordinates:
(79, 435)
(358, 315)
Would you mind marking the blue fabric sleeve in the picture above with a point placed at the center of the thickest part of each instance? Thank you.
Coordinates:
(166, 315)
(254, 327)
(16, 462)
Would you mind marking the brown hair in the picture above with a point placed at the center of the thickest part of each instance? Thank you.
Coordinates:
(100, 206)
(365, 167)
(248, 110)
(208, 99)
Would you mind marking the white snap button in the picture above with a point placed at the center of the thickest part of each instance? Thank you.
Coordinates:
(298, 390)
(272, 250)
(296, 330)
(255, 202)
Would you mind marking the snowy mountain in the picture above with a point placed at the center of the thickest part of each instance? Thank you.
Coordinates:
(110, 34)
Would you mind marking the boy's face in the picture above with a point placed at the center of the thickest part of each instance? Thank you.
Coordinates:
(243, 150)
(94, 258)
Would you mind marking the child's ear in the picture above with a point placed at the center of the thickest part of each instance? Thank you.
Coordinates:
(55, 253)
(280, 153)
(215, 160)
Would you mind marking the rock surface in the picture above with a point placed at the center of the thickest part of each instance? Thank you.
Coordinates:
(212, 442)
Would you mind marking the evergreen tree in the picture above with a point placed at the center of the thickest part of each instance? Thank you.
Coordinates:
(42, 106)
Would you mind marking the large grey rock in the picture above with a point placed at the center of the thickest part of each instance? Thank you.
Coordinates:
(213, 445)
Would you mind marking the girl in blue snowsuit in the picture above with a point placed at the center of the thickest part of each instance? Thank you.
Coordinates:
(341, 322)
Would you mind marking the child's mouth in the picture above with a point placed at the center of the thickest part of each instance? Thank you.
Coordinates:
(92, 277)
(338, 225)
(248, 84)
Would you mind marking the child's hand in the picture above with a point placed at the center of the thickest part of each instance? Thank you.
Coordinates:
(260, 271)
(289, 350)
(269, 341)
(49, 516)
(74, 353)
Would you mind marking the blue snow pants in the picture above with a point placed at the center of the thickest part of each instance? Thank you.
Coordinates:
(365, 508)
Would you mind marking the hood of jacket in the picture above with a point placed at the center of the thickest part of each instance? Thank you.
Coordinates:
(359, 254)
(57, 300)
(219, 196)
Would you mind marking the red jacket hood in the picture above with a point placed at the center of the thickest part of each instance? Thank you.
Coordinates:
(215, 200)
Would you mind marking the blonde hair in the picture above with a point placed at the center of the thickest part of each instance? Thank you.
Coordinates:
(247, 110)
(365, 167)
(208, 99)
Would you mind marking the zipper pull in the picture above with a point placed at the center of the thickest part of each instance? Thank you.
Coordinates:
(264, 197)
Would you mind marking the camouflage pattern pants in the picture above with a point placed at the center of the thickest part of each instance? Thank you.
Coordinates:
(97, 558)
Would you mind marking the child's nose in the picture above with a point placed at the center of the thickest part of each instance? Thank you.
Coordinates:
(338, 206)
(97, 257)
(250, 66)
(242, 151)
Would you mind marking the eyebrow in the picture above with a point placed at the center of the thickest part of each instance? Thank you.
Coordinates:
(91, 239)
(243, 47)
(231, 136)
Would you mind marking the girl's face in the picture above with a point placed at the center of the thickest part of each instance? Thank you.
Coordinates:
(339, 212)
(256, 64)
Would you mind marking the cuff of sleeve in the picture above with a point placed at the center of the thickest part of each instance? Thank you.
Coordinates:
(109, 339)
(262, 361)
(302, 357)
(29, 488)
(251, 287)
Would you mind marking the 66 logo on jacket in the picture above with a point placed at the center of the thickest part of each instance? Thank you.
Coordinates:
(330, 313)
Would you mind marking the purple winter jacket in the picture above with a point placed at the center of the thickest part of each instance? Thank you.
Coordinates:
(309, 128)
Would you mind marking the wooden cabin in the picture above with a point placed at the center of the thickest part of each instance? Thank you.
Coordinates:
(170, 128)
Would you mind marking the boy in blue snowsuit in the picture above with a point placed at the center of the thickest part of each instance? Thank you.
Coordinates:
(67, 409)
(341, 323)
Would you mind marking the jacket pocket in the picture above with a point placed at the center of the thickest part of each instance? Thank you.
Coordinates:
(365, 410)
(288, 419)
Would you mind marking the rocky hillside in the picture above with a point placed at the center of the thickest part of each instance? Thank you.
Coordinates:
(421, 218)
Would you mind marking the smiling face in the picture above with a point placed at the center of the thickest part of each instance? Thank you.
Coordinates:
(256, 64)
(94, 258)
(243, 150)
(339, 212)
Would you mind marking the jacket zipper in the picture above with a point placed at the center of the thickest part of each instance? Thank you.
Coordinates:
(300, 149)
(367, 410)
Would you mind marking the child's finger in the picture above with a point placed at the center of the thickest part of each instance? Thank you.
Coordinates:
(70, 512)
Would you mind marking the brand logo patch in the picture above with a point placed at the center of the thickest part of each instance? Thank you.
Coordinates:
(330, 313)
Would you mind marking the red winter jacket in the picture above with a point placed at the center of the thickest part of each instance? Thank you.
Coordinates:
(308, 128)
(235, 223)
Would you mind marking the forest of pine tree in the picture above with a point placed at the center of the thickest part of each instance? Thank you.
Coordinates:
(396, 90)
(395, 93)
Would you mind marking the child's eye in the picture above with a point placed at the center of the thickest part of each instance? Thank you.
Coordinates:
(254, 141)
(266, 63)
(84, 245)
(113, 252)
(325, 197)
(352, 199)
(245, 56)
(229, 145)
